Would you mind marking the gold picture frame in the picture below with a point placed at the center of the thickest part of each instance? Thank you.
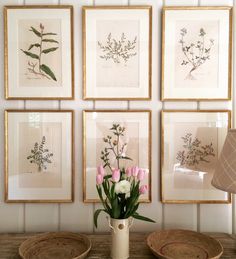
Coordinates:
(144, 88)
(95, 120)
(30, 185)
(187, 169)
(187, 87)
(34, 76)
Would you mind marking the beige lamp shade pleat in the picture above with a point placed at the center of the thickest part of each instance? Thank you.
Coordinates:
(225, 173)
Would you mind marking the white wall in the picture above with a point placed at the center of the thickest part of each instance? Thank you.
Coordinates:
(79, 216)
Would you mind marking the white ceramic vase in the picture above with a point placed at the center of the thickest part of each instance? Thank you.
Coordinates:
(120, 237)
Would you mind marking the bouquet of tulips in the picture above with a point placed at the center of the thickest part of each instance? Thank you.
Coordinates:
(119, 188)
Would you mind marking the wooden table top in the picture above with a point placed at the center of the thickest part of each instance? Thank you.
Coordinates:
(9, 244)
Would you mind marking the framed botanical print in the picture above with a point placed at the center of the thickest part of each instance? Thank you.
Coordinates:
(39, 156)
(117, 49)
(191, 142)
(39, 52)
(196, 53)
(134, 145)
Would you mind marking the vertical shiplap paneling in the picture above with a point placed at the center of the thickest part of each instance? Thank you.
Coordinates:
(234, 105)
(120, 105)
(41, 2)
(181, 2)
(216, 2)
(215, 217)
(109, 2)
(174, 217)
(41, 104)
(39, 217)
(153, 209)
(185, 215)
(77, 216)
(11, 215)
(102, 221)
(227, 105)
(180, 105)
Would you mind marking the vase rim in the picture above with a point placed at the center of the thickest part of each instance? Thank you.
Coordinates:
(120, 219)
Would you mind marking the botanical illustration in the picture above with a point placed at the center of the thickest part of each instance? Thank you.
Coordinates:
(118, 50)
(38, 49)
(113, 146)
(194, 151)
(117, 46)
(195, 53)
(40, 155)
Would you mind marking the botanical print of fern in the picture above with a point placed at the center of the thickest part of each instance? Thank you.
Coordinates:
(194, 152)
(118, 50)
(36, 51)
(195, 53)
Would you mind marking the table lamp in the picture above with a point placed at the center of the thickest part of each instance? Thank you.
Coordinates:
(225, 173)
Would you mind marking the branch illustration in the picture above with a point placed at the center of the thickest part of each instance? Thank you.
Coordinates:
(118, 50)
(40, 155)
(194, 152)
(196, 54)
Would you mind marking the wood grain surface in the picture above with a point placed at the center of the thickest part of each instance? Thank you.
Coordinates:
(9, 244)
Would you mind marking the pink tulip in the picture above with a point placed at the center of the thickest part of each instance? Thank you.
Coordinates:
(141, 174)
(143, 189)
(135, 170)
(101, 170)
(99, 179)
(128, 172)
(116, 175)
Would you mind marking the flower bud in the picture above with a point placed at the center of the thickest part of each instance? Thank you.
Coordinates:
(128, 171)
(135, 170)
(99, 179)
(116, 175)
(143, 189)
(100, 170)
(141, 174)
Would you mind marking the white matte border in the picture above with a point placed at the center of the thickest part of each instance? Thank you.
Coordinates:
(143, 89)
(222, 90)
(14, 192)
(65, 90)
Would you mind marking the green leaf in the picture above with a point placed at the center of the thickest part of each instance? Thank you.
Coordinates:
(125, 157)
(95, 216)
(115, 208)
(49, 33)
(113, 191)
(35, 31)
(107, 177)
(32, 55)
(34, 45)
(45, 51)
(48, 71)
(137, 216)
(50, 40)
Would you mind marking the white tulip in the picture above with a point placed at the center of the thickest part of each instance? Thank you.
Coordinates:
(122, 187)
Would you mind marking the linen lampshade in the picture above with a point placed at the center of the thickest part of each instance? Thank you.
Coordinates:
(225, 173)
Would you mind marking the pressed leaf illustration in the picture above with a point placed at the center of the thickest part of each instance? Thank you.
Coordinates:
(118, 50)
(194, 152)
(40, 155)
(37, 50)
(195, 53)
